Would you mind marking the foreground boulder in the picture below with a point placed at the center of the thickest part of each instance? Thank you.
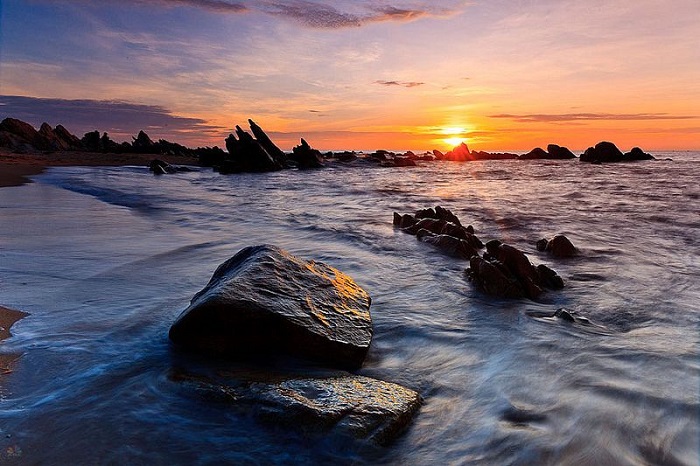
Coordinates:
(559, 246)
(345, 404)
(506, 272)
(265, 301)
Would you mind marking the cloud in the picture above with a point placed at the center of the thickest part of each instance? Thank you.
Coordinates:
(119, 119)
(575, 117)
(399, 83)
(312, 14)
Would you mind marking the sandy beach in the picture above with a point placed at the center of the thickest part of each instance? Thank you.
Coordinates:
(15, 169)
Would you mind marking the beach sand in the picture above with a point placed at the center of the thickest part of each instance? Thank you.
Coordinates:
(16, 168)
(7, 318)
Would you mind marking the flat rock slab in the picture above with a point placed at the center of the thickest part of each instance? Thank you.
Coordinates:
(267, 301)
(346, 404)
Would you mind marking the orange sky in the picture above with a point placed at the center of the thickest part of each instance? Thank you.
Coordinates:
(500, 75)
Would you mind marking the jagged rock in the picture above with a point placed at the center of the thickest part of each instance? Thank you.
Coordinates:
(142, 143)
(264, 300)
(450, 245)
(247, 155)
(505, 271)
(71, 141)
(603, 152)
(16, 134)
(559, 246)
(637, 154)
(306, 157)
(275, 152)
(340, 403)
(461, 153)
(438, 155)
(404, 221)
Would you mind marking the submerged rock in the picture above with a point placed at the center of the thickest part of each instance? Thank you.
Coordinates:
(506, 271)
(558, 246)
(266, 301)
(345, 404)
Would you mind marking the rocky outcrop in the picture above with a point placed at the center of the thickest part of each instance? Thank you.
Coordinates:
(265, 301)
(143, 144)
(247, 154)
(263, 139)
(558, 246)
(442, 229)
(607, 152)
(342, 404)
(506, 271)
(637, 154)
(553, 152)
(18, 135)
(306, 157)
(461, 153)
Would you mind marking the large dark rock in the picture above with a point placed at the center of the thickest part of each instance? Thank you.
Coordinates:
(142, 143)
(536, 153)
(265, 301)
(341, 403)
(493, 278)
(559, 152)
(461, 153)
(603, 152)
(246, 154)
(71, 141)
(450, 245)
(559, 246)
(306, 157)
(18, 135)
(270, 147)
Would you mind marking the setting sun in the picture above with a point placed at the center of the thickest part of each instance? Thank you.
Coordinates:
(453, 141)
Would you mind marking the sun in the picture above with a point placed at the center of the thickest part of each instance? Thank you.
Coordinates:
(453, 141)
(455, 135)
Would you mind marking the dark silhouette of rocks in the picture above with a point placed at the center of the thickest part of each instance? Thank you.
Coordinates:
(247, 154)
(142, 143)
(553, 152)
(442, 229)
(607, 152)
(506, 272)
(265, 301)
(275, 152)
(305, 157)
(20, 136)
(637, 154)
(558, 246)
(340, 403)
(461, 153)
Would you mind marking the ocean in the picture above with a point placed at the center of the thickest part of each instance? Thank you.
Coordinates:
(104, 259)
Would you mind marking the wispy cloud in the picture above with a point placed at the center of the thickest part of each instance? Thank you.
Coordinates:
(120, 119)
(399, 83)
(574, 117)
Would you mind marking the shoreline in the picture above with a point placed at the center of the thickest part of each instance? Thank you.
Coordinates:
(15, 169)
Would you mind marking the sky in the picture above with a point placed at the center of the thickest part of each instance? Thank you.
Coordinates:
(360, 75)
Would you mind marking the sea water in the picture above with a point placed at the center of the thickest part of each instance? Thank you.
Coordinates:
(104, 260)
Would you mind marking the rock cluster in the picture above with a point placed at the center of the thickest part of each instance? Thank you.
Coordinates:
(553, 152)
(266, 303)
(461, 153)
(506, 271)
(502, 271)
(305, 157)
(607, 152)
(20, 136)
(251, 154)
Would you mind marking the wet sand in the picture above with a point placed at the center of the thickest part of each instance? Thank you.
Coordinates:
(7, 318)
(15, 169)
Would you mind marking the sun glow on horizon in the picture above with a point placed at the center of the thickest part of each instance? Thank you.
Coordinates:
(454, 141)
(455, 135)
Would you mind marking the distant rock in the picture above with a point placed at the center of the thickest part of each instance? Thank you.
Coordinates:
(265, 301)
(247, 154)
(306, 157)
(637, 154)
(143, 144)
(342, 404)
(603, 152)
(558, 246)
(70, 141)
(554, 152)
(18, 135)
(275, 152)
(461, 153)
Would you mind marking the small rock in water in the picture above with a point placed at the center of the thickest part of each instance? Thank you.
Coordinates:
(266, 301)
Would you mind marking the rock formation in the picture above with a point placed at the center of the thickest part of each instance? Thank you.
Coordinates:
(247, 154)
(606, 152)
(507, 272)
(554, 152)
(306, 157)
(265, 301)
(558, 246)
